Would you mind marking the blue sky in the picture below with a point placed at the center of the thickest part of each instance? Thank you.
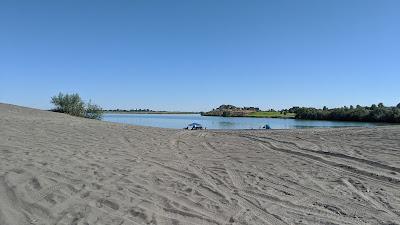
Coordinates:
(196, 55)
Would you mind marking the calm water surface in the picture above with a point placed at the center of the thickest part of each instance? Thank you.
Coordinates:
(180, 121)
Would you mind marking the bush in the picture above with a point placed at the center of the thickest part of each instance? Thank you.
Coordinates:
(94, 111)
(72, 104)
(69, 104)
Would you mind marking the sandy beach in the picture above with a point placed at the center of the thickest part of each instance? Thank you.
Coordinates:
(58, 169)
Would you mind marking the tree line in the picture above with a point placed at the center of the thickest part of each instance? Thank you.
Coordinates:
(131, 110)
(373, 113)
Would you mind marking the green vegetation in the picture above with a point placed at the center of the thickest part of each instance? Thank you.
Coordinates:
(72, 104)
(94, 111)
(271, 114)
(374, 113)
(233, 111)
(128, 111)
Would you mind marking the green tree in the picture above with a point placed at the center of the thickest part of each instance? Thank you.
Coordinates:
(359, 113)
(72, 104)
(93, 111)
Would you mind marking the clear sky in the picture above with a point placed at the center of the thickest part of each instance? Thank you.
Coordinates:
(196, 55)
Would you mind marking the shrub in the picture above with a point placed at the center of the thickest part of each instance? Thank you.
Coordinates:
(69, 104)
(72, 104)
(93, 111)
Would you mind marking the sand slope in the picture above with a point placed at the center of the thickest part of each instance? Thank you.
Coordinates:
(57, 169)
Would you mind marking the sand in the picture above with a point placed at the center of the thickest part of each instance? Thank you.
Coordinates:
(58, 169)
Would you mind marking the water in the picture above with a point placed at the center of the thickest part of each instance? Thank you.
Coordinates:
(179, 121)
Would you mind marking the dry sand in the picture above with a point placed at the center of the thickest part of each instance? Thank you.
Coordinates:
(58, 169)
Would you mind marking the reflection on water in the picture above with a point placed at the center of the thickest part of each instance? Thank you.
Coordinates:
(179, 121)
(226, 124)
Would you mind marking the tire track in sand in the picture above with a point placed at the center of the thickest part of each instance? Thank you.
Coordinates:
(238, 183)
(338, 166)
(339, 155)
(370, 199)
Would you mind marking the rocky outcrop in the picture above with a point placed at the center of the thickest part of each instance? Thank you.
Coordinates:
(231, 111)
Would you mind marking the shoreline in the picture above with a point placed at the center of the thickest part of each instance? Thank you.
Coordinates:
(155, 112)
(260, 117)
(74, 170)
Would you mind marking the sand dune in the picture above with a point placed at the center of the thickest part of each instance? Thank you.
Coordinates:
(57, 169)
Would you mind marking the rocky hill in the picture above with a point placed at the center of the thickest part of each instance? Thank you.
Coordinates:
(231, 111)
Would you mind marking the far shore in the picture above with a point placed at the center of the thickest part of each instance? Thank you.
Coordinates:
(150, 112)
(262, 114)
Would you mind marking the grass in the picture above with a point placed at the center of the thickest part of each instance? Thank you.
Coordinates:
(267, 114)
